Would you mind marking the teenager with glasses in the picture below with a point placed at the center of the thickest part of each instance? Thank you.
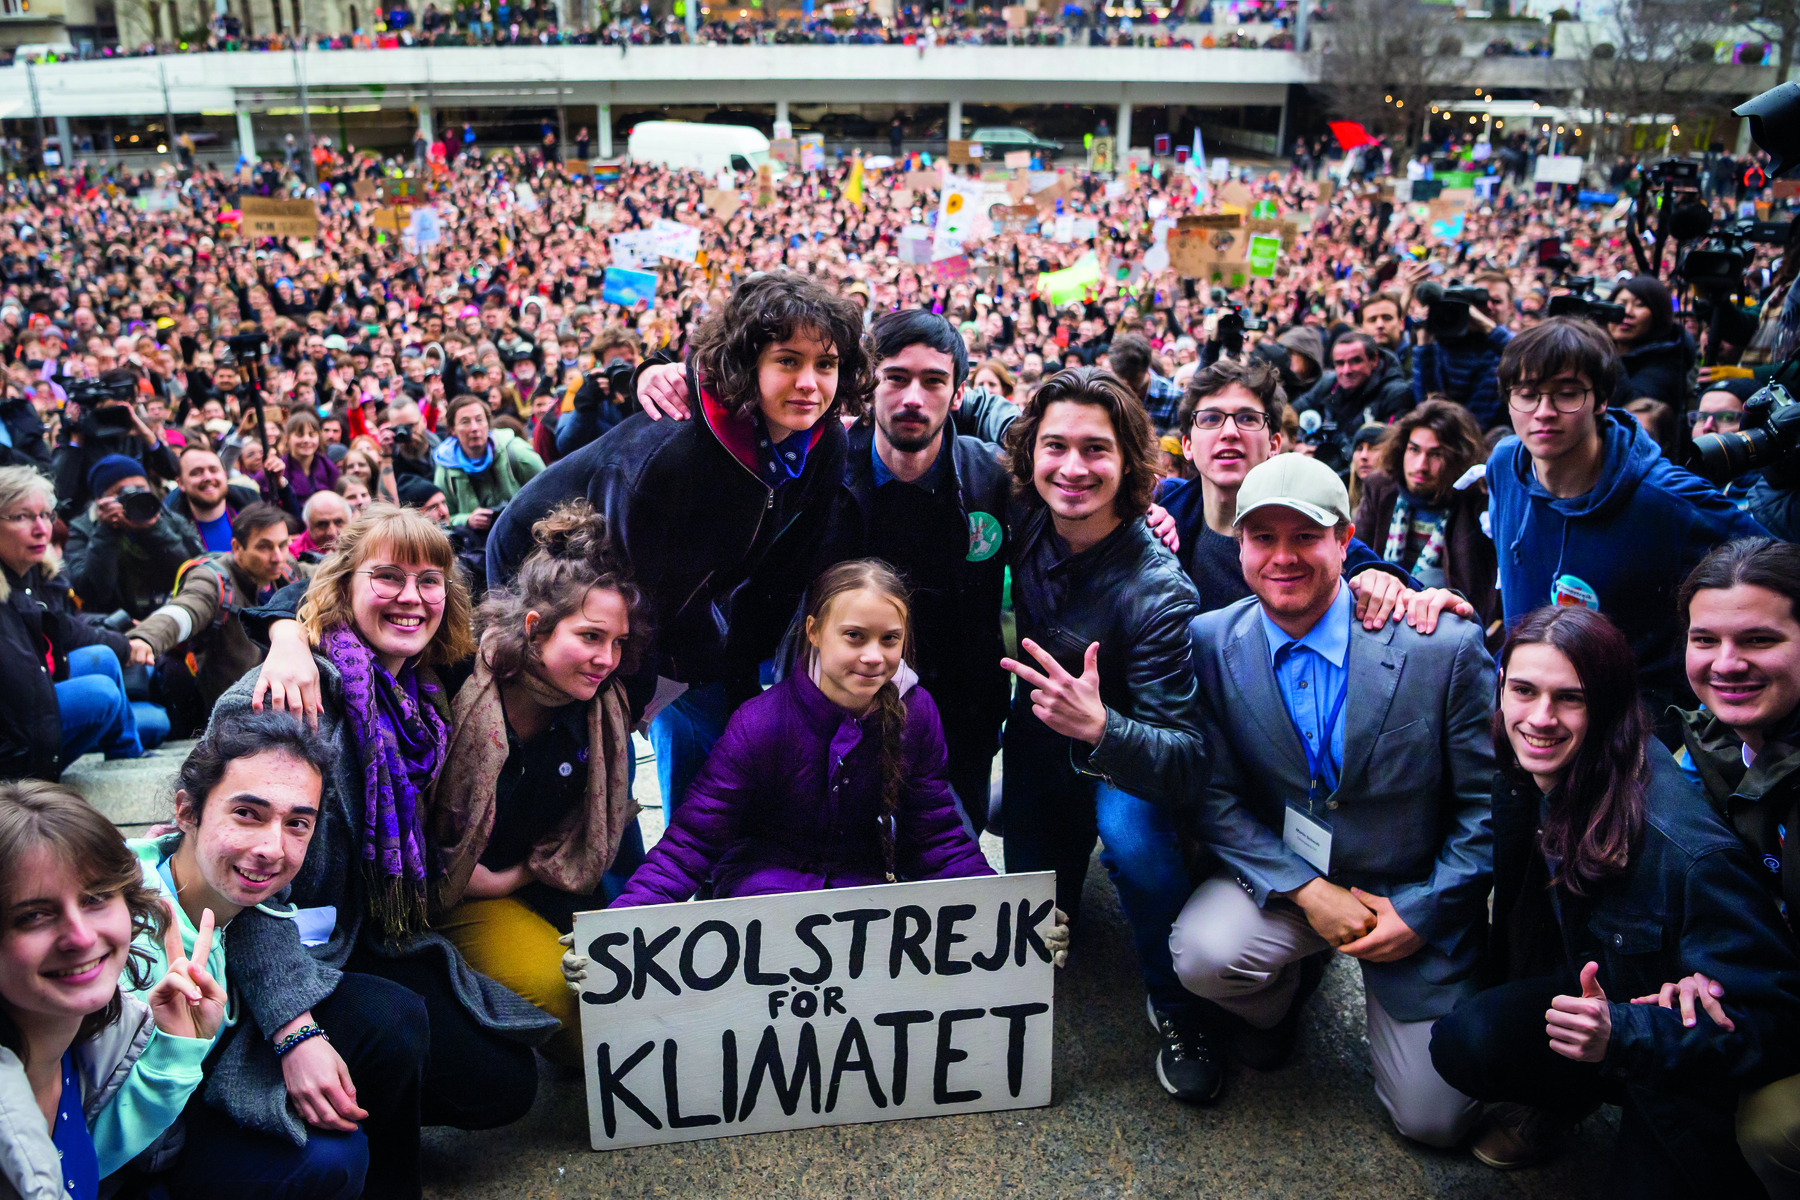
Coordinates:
(1585, 510)
(383, 615)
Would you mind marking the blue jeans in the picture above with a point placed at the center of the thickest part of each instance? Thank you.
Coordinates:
(95, 713)
(683, 735)
(1053, 816)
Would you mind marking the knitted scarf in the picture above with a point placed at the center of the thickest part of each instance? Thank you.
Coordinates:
(400, 741)
(1400, 528)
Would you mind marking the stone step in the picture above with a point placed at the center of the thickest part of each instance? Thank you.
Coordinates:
(134, 793)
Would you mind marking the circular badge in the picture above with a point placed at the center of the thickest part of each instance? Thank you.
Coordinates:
(565, 770)
(985, 536)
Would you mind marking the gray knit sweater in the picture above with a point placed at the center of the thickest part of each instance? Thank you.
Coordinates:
(277, 978)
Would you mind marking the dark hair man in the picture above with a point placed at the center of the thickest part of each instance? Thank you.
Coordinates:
(1417, 518)
(1104, 726)
(1337, 817)
(1129, 358)
(1461, 367)
(204, 498)
(1583, 507)
(1364, 386)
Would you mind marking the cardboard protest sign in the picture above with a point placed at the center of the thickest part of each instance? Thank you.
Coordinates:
(634, 250)
(1018, 187)
(674, 240)
(765, 184)
(1013, 218)
(1236, 195)
(392, 220)
(785, 150)
(365, 189)
(1326, 187)
(263, 217)
(1264, 250)
(767, 1013)
(922, 181)
(1211, 221)
(947, 270)
(621, 285)
(1018, 160)
(1286, 228)
(1194, 252)
(404, 189)
(721, 202)
(1228, 274)
(964, 152)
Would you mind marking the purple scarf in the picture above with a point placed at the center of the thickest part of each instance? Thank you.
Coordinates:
(400, 741)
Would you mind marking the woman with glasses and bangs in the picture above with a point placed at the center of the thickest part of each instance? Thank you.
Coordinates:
(384, 614)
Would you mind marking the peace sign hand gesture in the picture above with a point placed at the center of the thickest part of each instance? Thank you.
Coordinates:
(188, 1002)
(1069, 705)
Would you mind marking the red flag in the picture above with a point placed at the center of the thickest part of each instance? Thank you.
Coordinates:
(1350, 135)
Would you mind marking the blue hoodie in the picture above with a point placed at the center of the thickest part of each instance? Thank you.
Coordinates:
(1632, 539)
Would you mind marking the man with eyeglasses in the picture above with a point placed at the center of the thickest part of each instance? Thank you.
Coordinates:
(1231, 421)
(1583, 507)
(1721, 410)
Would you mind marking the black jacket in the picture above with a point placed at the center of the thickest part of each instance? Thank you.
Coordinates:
(723, 557)
(130, 569)
(1687, 902)
(1129, 594)
(70, 464)
(30, 630)
(25, 446)
(1662, 370)
(957, 630)
(1384, 396)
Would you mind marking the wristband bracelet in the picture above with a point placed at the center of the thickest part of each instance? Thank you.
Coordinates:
(295, 1038)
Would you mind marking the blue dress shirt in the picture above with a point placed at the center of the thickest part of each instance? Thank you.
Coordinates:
(1309, 671)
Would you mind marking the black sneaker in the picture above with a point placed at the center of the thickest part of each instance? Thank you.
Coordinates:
(1186, 1065)
(1268, 1049)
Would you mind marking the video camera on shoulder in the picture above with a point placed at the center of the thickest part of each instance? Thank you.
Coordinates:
(1234, 322)
(248, 347)
(1579, 301)
(1447, 308)
(1768, 436)
(103, 402)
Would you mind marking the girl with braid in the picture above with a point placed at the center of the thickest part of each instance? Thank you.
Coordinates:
(834, 777)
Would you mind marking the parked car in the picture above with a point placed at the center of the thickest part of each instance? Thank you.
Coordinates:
(1011, 137)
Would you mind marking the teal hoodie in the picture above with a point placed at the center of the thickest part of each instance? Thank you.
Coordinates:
(170, 1068)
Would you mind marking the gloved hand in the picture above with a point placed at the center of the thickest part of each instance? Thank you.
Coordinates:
(1056, 940)
(575, 966)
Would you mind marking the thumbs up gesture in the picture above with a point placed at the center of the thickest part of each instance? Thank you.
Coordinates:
(1580, 1026)
(1068, 704)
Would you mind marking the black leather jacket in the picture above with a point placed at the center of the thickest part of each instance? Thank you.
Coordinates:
(723, 558)
(1130, 594)
(1687, 902)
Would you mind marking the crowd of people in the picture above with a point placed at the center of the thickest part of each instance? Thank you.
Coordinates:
(1330, 602)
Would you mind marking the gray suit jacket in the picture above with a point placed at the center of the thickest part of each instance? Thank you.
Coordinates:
(1410, 818)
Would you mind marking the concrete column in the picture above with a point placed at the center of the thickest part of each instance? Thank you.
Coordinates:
(784, 127)
(1300, 26)
(1123, 131)
(603, 118)
(691, 14)
(66, 140)
(955, 123)
(246, 136)
(427, 125)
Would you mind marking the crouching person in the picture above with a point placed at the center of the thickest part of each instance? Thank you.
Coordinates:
(90, 1073)
(1348, 807)
(1613, 877)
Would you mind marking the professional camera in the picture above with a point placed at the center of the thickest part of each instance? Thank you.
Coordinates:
(1682, 173)
(1447, 314)
(140, 504)
(1717, 265)
(248, 347)
(1236, 321)
(1769, 434)
(1579, 302)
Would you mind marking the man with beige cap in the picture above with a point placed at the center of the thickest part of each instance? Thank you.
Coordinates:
(1348, 806)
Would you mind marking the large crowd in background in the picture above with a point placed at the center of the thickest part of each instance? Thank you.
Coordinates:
(1330, 604)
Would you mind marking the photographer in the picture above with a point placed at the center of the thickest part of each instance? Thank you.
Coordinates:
(101, 421)
(1363, 387)
(604, 399)
(124, 551)
(478, 468)
(1459, 352)
(22, 434)
(1655, 352)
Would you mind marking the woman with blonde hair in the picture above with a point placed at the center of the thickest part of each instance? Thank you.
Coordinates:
(382, 614)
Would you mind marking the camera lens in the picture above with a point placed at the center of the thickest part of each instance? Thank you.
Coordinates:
(1721, 457)
(139, 504)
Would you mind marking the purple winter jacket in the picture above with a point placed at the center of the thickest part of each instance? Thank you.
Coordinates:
(789, 801)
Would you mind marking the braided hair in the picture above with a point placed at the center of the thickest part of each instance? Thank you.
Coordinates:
(889, 709)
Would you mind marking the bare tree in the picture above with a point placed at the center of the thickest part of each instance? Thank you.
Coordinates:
(1776, 21)
(1659, 63)
(1384, 62)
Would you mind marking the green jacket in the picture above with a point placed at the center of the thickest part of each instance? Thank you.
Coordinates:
(513, 467)
(1761, 802)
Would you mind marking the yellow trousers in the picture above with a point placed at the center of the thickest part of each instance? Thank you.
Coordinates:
(508, 942)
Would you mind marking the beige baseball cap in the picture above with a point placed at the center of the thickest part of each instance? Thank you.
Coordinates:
(1299, 482)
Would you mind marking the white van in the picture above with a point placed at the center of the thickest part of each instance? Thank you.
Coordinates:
(700, 147)
(41, 51)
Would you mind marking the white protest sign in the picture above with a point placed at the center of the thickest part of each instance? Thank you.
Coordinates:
(959, 206)
(525, 198)
(1219, 170)
(676, 240)
(635, 250)
(724, 1017)
(424, 228)
(1557, 168)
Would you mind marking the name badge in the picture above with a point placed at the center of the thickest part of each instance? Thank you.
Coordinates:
(1308, 838)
